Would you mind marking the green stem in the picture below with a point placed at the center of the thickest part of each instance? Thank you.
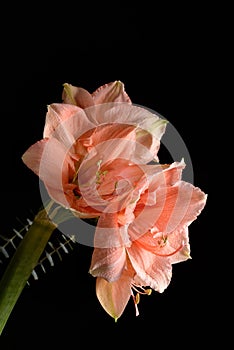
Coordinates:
(22, 264)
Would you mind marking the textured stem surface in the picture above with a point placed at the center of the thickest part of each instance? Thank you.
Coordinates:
(22, 264)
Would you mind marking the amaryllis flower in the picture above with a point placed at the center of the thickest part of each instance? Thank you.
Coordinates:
(146, 238)
(98, 157)
(80, 125)
(95, 159)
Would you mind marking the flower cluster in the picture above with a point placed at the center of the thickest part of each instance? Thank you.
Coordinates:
(99, 158)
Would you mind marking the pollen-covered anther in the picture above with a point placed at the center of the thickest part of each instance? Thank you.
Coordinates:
(148, 291)
(100, 175)
(137, 298)
(162, 241)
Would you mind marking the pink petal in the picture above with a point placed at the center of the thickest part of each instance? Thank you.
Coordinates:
(66, 122)
(147, 143)
(151, 270)
(109, 234)
(116, 179)
(112, 92)
(49, 160)
(119, 177)
(154, 124)
(77, 96)
(106, 132)
(184, 253)
(122, 113)
(56, 114)
(114, 296)
(32, 157)
(162, 175)
(156, 176)
(108, 263)
(178, 206)
(54, 164)
(98, 166)
(150, 135)
(175, 245)
(150, 127)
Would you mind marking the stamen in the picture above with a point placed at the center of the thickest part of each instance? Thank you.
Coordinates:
(100, 175)
(139, 291)
(148, 291)
(135, 303)
(137, 298)
(172, 253)
(99, 163)
(161, 243)
(75, 177)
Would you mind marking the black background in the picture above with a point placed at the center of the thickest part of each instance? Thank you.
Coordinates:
(164, 65)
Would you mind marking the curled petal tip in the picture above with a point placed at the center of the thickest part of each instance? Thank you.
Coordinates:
(119, 84)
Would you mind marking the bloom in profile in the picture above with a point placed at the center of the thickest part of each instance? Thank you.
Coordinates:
(150, 235)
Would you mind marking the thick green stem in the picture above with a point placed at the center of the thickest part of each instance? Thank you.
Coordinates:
(22, 264)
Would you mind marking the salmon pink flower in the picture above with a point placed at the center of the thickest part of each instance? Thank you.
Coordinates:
(80, 125)
(148, 240)
(98, 157)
